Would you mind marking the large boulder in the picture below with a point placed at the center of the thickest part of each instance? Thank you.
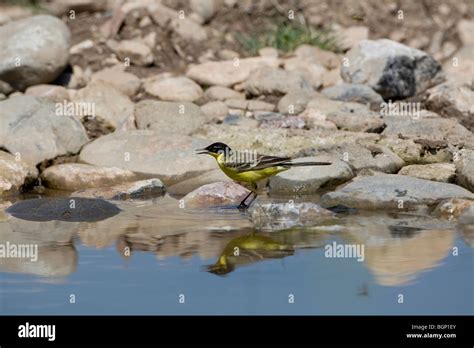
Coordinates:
(388, 191)
(171, 158)
(393, 70)
(35, 130)
(33, 50)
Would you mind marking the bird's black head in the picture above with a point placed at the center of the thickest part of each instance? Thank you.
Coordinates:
(215, 149)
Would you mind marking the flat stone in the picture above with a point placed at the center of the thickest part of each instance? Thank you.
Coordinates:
(272, 81)
(222, 93)
(278, 216)
(110, 104)
(169, 117)
(393, 70)
(31, 128)
(77, 176)
(307, 180)
(184, 187)
(215, 110)
(227, 73)
(14, 174)
(353, 93)
(125, 82)
(442, 172)
(33, 50)
(217, 193)
(386, 191)
(171, 158)
(250, 105)
(142, 189)
(180, 88)
(453, 100)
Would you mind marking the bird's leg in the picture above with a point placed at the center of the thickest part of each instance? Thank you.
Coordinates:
(242, 205)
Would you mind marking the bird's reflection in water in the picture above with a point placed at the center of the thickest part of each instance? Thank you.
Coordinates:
(248, 249)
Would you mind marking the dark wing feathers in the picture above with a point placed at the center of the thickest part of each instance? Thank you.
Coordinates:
(260, 162)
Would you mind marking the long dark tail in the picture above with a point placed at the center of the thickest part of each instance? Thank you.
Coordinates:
(304, 164)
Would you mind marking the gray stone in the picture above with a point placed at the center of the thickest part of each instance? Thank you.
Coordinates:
(388, 191)
(205, 8)
(453, 100)
(14, 174)
(217, 193)
(184, 187)
(215, 110)
(125, 82)
(271, 81)
(307, 180)
(276, 216)
(222, 93)
(171, 158)
(179, 88)
(77, 176)
(142, 189)
(250, 105)
(136, 51)
(294, 102)
(32, 128)
(227, 73)
(357, 93)
(33, 50)
(169, 117)
(110, 104)
(464, 161)
(392, 69)
(442, 172)
(55, 94)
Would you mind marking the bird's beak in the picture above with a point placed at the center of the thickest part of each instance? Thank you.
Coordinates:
(202, 152)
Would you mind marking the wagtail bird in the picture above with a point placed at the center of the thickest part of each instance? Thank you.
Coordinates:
(248, 167)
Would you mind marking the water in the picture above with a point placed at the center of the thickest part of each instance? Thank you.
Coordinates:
(173, 251)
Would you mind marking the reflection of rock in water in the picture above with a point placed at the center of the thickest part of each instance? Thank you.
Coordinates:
(248, 249)
(53, 261)
(399, 261)
(63, 209)
(466, 226)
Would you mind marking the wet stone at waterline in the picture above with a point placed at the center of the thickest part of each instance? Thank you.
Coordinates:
(73, 209)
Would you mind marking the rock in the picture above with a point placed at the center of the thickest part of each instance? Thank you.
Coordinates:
(270, 52)
(250, 105)
(125, 82)
(227, 54)
(453, 207)
(55, 94)
(222, 93)
(428, 126)
(388, 191)
(110, 104)
(464, 162)
(14, 174)
(205, 8)
(271, 81)
(327, 58)
(442, 172)
(353, 93)
(276, 120)
(332, 78)
(362, 156)
(184, 187)
(12, 12)
(317, 120)
(406, 149)
(171, 158)
(349, 116)
(132, 190)
(180, 88)
(294, 102)
(228, 73)
(453, 100)
(77, 176)
(465, 30)
(72, 209)
(309, 67)
(467, 218)
(352, 35)
(32, 128)
(5, 88)
(217, 193)
(33, 50)
(169, 117)
(393, 70)
(189, 29)
(215, 110)
(139, 53)
(461, 66)
(307, 180)
(271, 216)
(81, 47)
